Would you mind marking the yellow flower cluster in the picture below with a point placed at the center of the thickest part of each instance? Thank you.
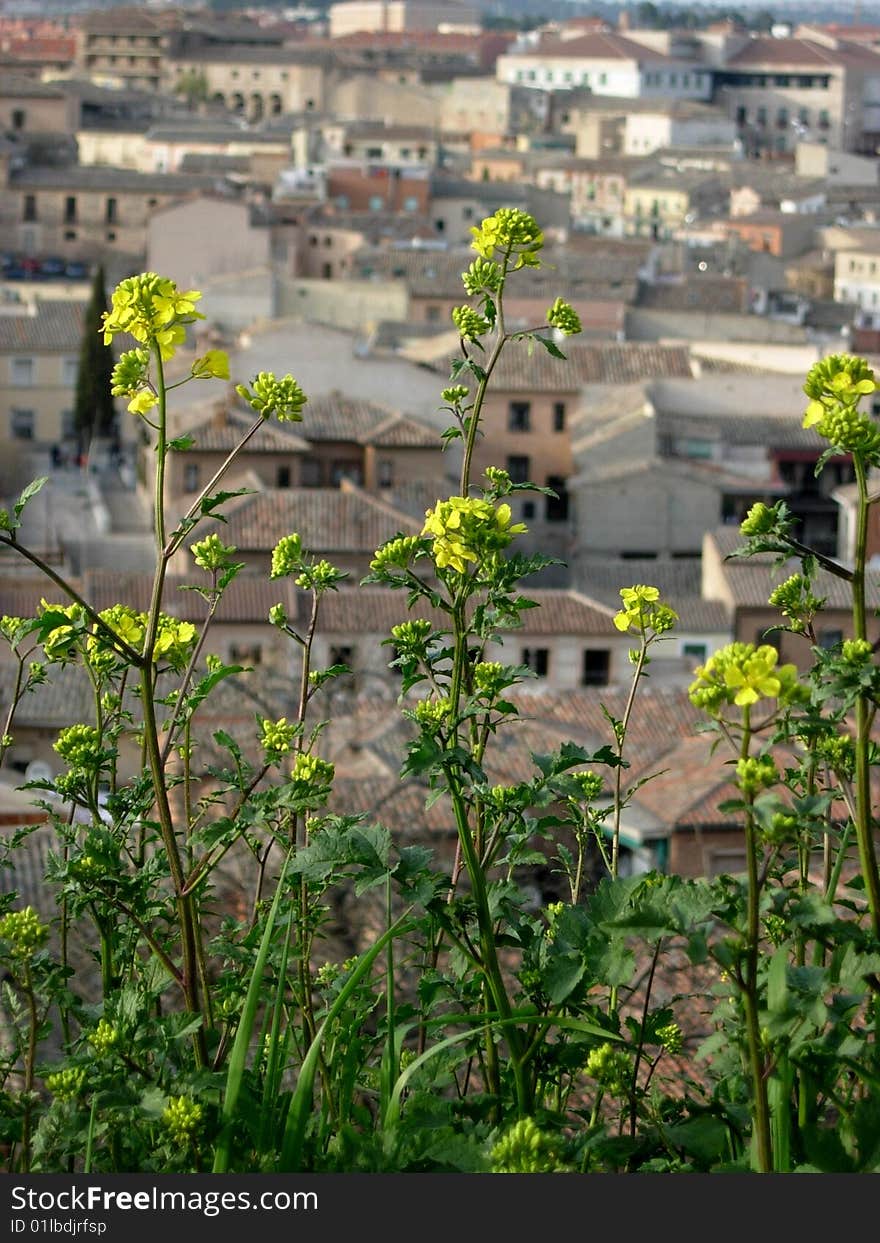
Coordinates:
(643, 611)
(466, 528)
(510, 233)
(153, 310)
(742, 674)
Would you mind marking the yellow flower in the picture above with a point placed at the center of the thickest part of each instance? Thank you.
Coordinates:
(153, 310)
(143, 402)
(642, 611)
(742, 674)
(466, 529)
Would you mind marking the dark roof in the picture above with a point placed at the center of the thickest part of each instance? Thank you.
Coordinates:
(598, 273)
(98, 177)
(20, 86)
(53, 326)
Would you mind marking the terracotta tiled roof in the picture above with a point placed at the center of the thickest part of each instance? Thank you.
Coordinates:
(328, 520)
(336, 416)
(679, 581)
(223, 430)
(248, 600)
(598, 363)
(751, 579)
(803, 52)
(597, 45)
(400, 433)
(374, 611)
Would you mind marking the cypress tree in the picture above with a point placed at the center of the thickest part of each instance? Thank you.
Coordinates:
(93, 410)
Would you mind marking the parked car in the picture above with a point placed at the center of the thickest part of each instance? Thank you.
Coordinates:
(76, 271)
(53, 266)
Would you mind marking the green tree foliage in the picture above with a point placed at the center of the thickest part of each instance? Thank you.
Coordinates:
(94, 411)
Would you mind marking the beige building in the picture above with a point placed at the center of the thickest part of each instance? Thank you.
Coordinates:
(857, 274)
(251, 80)
(744, 586)
(39, 347)
(481, 105)
(388, 16)
(86, 213)
(203, 238)
(782, 91)
(28, 106)
(568, 641)
(657, 205)
(121, 47)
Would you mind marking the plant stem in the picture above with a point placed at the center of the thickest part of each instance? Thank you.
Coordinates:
(864, 819)
(761, 1104)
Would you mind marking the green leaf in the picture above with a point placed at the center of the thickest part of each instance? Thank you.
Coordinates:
(30, 491)
(562, 975)
(180, 443)
(550, 346)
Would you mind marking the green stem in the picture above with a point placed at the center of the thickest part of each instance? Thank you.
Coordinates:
(761, 1103)
(864, 820)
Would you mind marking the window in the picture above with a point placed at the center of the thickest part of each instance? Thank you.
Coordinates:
(781, 118)
(559, 416)
(70, 235)
(191, 477)
(695, 448)
(22, 372)
(68, 425)
(528, 510)
(111, 212)
(310, 473)
(343, 655)
(110, 235)
(282, 477)
(519, 416)
(19, 117)
(29, 211)
(694, 653)
(386, 472)
(70, 209)
(518, 468)
(246, 654)
(830, 638)
(771, 638)
(376, 202)
(597, 664)
(556, 507)
(69, 370)
(824, 119)
(21, 424)
(410, 203)
(345, 470)
(537, 659)
(725, 862)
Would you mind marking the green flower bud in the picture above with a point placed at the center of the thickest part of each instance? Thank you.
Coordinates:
(286, 557)
(563, 316)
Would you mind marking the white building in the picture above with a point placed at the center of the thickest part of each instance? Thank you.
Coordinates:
(605, 63)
